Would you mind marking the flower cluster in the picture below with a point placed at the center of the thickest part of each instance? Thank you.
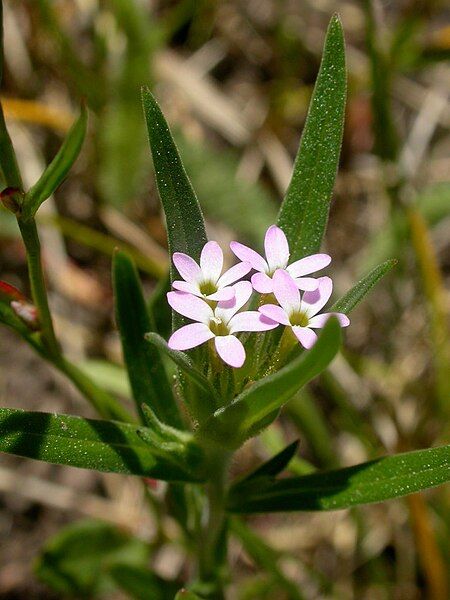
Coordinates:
(213, 300)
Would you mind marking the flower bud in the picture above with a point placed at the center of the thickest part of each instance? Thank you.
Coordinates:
(27, 313)
(12, 199)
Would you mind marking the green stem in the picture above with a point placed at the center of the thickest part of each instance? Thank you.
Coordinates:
(106, 405)
(38, 289)
(213, 538)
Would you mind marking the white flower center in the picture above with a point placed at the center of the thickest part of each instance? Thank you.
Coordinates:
(299, 318)
(218, 327)
(207, 288)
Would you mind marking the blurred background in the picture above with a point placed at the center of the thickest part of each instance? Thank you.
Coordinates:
(234, 79)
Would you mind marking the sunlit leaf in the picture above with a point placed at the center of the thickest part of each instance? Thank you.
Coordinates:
(58, 169)
(185, 227)
(304, 213)
(107, 446)
(381, 479)
(232, 424)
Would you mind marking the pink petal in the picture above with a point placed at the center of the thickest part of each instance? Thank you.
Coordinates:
(246, 254)
(275, 313)
(230, 350)
(309, 264)
(262, 283)
(190, 336)
(320, 320)
(223, 295)
(286, 291)
(184, 286)
(276, 247)
(305, 336)
(225, 310)
(308, 284)
(251, 320)
(186, 267)
(312, 302)
(235, 273)
(190, 306)
(211, 261)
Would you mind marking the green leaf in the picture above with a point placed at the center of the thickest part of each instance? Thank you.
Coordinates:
(185, 227)
(77, 560)
(381, 479)
(354, 296)
(58, 169)
(304, 212)
(107, 446)
(231, 425)
(276, 464)
(184, 362)
(146, 371)
(142, 584)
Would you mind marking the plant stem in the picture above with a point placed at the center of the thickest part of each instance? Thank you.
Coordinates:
(38, 290)
(105, 404)
(213, 536)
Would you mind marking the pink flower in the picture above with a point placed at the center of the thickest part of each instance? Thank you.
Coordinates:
(206, 280)
(300, 314)
(220, 323)
(277, 256)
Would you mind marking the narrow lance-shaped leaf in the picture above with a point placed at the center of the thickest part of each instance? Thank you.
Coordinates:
(354, 296)
(231, 425)
(107, 446)
(185, 228)
(146, 372)
(304, 212)
(58, 169)
(276, 464)
(382, 479)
